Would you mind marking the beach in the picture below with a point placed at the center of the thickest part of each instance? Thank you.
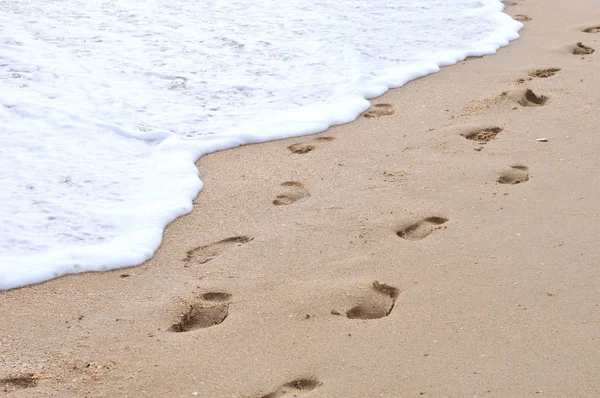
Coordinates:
(444, 244)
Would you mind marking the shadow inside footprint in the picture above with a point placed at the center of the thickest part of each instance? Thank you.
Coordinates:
(483, 135)
(532, 99)
(216, 296)
(543, 73)
(204, 254)
(201, 315)
(422, 229)
(300, 148)
(515, 175)
(294, 388)
(20, 382)
(295, 192)
(593, 29)
(581, 49)
(378, 305)
(379, 110)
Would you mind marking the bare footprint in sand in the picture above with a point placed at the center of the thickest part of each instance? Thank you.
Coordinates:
(377, 304)
(294, 388)
(522, 18)
(514, 175)
(379, 110)
(593, 29)
(325, 139)
(211, 310)
(19, 382)
(301, 148)
(295, 192)
(530, 98)
(581, 49)
(422, 229)
(482, 135)
(544, 73)
(204, 254)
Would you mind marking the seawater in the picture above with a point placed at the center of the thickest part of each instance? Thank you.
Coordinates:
(106, 104)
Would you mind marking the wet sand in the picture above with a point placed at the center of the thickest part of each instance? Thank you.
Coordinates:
(444, 244)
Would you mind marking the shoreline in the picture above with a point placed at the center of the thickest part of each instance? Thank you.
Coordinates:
(483, 288)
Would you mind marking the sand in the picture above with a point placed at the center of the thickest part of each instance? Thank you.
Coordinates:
(434, 247)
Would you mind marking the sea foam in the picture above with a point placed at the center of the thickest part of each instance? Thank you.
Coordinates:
(106, 105)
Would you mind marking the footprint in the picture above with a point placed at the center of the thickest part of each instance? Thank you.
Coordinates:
(294, 388)
(20, 382)
(515, 175)
(580, 49)
(532, 99)
(377, 305)
(379, 110)
(543, 73)
(325, 139)
(300, 148)
(204, 254)
(422, 229)
(202, 315)
(522, 18)
(295, 192)
(483, 135)
(593, 29)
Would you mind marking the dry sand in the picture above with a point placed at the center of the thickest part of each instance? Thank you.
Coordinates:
(484, 288)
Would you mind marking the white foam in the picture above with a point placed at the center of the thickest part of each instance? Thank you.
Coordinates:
(105, 105)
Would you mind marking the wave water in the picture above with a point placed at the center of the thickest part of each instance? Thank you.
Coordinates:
(106, 105)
